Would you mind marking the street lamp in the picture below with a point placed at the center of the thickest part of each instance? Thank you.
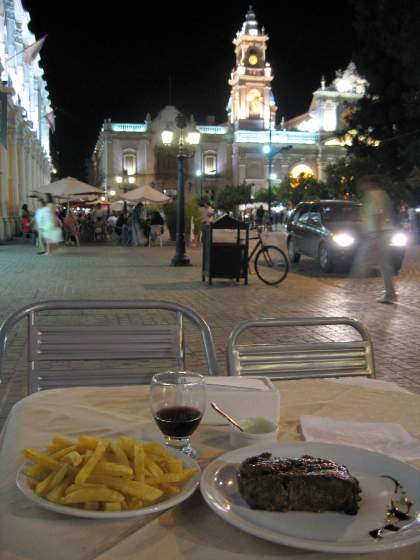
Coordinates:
(185, 151)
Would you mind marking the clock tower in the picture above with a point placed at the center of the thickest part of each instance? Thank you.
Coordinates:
(251, 104)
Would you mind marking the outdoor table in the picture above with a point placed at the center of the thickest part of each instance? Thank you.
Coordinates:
(190, 530)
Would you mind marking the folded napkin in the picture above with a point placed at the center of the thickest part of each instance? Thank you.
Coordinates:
(242, 397)
(391, 439)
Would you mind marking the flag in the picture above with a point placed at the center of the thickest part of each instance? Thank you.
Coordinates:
(31, 52)
(50, 116)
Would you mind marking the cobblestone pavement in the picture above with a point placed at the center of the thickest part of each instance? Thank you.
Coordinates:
(112, 272)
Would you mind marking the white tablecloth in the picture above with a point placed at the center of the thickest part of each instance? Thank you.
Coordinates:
(189, 531)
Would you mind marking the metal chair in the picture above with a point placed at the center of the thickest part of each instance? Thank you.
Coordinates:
(140, 343)
(301, 360)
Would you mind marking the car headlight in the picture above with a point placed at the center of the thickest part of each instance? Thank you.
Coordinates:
(399, 239)
(343, 239)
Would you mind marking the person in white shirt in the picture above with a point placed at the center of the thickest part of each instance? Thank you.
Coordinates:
(377, 226)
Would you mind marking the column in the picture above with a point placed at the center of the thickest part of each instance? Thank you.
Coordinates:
(13, 194)
(4, 173)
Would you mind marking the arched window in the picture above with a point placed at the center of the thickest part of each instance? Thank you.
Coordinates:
(210, 163)
(300, 169)
(130, 162)
(254, 104)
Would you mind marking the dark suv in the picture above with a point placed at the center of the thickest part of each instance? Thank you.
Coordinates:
(330, 232)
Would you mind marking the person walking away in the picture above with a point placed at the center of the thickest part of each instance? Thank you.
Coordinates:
(40, 220)
(137, 235)
(377, 229)
(52, 234)
(260, 215)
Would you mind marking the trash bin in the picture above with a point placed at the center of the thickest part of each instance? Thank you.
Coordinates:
(227, 258)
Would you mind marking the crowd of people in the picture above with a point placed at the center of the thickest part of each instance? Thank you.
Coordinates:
(53, 224)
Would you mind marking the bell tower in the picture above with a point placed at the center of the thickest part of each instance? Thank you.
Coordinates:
(251, 104)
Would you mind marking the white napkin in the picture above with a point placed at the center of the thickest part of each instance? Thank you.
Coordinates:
(242, 397)
(391, 439)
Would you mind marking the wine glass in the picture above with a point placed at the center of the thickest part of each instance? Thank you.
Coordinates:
(178, 401)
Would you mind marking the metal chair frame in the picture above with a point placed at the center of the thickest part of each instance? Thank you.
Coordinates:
(301, 360)
(135, 343)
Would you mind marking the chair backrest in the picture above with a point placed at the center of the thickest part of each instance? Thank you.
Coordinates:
(298, 359)
(59, 342)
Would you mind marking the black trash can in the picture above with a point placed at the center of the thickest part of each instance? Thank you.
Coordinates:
(227, 258)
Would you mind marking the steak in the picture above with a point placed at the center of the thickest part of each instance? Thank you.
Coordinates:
(301, 484)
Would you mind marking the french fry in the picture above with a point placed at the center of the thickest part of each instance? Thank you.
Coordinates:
(87, 442)
(112, 506)
(139, 462)
(73, 458)
(38, 472)
(64, 451)
(56, 493)
(113, 469)
(92, 495)
(119, 454)
(170, 489)
(58, 476)
(74, 487)
(131, 487)
(87, 469)
(127, 443)
(175, 466)
(40, 458)
(153, 467)
(58, 443)
(92, 506)
(43, 486)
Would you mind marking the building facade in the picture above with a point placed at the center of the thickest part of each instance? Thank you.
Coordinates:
(24, 128)
(252, 146)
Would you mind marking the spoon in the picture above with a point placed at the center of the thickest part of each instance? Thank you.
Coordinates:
(225, 415)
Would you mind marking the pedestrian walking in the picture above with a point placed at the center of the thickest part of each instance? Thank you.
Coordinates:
(26, 221)
(377, 226)
(137, 227)
(40, 221)
(260, 215)
(52, 234)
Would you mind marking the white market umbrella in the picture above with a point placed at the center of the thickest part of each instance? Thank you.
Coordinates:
(118, 205)
(146, 194)
(68, 188)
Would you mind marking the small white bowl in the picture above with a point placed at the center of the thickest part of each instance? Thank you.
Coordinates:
(266, 432)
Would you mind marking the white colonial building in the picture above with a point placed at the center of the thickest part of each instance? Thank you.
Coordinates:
(24, 129)
(249, 147)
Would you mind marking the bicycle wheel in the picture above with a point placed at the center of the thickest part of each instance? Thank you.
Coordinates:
(271, 265)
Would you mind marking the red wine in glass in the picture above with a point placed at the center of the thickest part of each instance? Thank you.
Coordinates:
(178, 401)
(178, 421)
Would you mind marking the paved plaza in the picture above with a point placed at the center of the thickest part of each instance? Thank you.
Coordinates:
(114, 272)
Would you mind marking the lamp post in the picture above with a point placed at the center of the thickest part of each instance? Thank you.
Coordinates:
(185, 151)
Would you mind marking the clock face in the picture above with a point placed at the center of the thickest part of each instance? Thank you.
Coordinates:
(253, 59)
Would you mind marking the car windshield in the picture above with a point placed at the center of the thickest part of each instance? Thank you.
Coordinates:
(342, 213)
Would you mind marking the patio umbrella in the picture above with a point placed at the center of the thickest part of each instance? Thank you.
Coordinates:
(146, 194)
(68, 188)
(118, 205)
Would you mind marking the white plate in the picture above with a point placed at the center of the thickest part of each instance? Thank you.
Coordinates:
(329, 531)
(23, 484)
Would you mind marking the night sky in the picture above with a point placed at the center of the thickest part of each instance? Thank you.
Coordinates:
(114, 60)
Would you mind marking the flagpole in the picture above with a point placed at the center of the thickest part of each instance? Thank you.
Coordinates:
(23, 50)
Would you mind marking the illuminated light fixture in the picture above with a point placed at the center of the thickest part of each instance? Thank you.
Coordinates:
(301, 169)
(131, 180)
(273, 176)
(266, 149)
(399, 239)
(193, 138)
(103, 198)
(167, 136)
(111, 193)
(198, 172)
(118, 179)
(343, 239)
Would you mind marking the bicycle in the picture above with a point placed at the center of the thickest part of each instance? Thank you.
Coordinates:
(270, 263)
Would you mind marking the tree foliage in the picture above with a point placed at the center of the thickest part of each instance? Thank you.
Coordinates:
(230, 196)
(388, 57)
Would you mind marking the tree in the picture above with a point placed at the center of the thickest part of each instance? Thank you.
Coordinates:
(343, 174)
(230, 196)
(387, 119)
(305, 187)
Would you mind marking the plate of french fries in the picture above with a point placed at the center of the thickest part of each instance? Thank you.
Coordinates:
(103, 479)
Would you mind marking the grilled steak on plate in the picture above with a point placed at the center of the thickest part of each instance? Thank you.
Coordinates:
(301, 484)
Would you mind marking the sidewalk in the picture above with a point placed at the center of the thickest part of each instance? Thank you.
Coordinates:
(113, 272)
